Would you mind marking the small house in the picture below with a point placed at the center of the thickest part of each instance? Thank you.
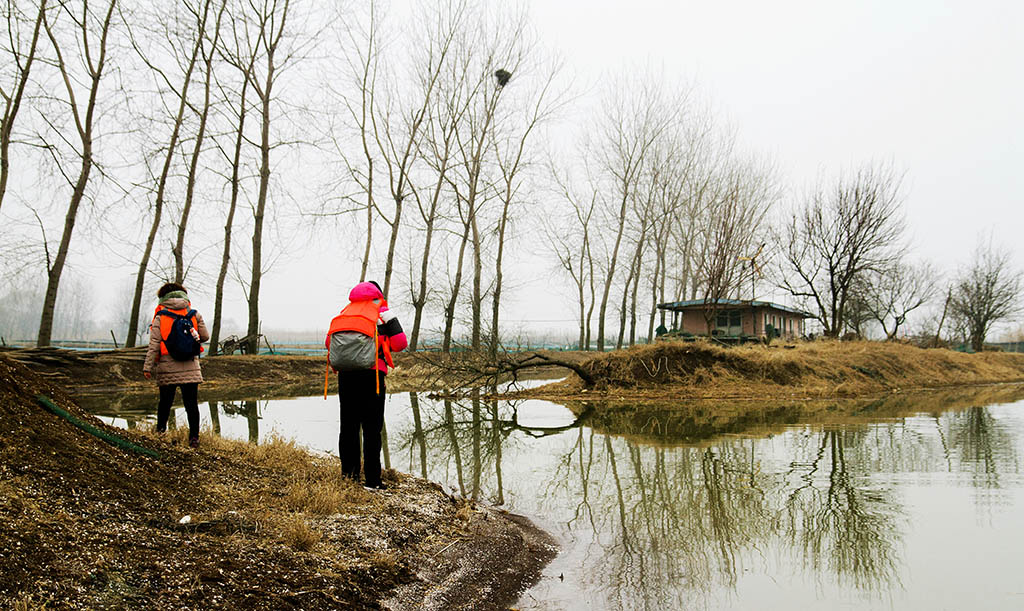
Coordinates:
(735, 318)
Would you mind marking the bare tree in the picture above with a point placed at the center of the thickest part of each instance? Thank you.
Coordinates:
(634, 117)
(987, 291)
(733, 229)
(670, 171)
(512, 158)
(440, 140)
(364, 66)
(179, 88)
(571, 244)
(858, 314)
(500, 61)
(850, 228)
(895, 292)
(264, 33)
(244, 63)
(401, 130)
(643, 210)
(19, 56)
(90, 31)
(489, 52)
(208, 49)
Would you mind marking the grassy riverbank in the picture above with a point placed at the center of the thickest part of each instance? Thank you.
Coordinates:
(661, 371)
(85, 524)
(120, 371)
(824, 369)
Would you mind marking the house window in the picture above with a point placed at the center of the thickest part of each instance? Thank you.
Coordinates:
(730, 319)
(729, 322)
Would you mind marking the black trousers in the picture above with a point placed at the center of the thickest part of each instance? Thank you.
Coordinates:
(189, 396)
(362, 409)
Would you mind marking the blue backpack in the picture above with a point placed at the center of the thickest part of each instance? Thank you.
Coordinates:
(180, 343)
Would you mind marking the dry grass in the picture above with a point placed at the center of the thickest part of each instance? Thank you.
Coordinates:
(324, 492)
(465, 513)
(296, 534)
(385, 561)
(288, 486)
(811, 369)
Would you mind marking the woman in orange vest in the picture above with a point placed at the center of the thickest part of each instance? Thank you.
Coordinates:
(361, 391)
(170, 371)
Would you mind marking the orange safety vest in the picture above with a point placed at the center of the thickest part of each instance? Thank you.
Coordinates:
(165, 325)
(361, 316)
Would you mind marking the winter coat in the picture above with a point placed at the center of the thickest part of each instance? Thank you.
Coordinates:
(165, 369)
(389, 330)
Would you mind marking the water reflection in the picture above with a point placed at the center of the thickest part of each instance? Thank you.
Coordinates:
(836, 520)
(718, 506)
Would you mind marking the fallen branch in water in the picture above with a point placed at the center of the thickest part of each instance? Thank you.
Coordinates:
(466, 369)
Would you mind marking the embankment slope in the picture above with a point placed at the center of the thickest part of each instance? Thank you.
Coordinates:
(810, 370)
(86, 524)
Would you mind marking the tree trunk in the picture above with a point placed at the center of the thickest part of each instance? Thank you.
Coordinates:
(179, 245)
(261, 204)
(611, 270)
(633, 304)
(496, 297)
(593, 294)
(229, 222)
(78, 194)
(449, 310)
(419, 300)
(477, 300)
(475, 168)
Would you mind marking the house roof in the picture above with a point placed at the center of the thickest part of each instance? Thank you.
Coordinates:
(695, 304)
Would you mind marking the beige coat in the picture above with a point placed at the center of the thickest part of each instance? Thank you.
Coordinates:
(166, 370)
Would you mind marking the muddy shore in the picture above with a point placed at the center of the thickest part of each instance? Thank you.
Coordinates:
(87, 524)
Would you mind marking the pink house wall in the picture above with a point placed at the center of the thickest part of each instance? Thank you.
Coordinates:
(692, 321)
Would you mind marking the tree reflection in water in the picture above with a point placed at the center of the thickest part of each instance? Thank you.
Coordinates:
(838, 522)
(984, 449)
(662, 523)
(250, 410)
(662, 509)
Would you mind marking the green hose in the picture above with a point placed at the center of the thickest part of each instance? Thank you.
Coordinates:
(88, 428)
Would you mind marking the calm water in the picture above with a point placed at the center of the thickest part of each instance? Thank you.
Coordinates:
(895, 507)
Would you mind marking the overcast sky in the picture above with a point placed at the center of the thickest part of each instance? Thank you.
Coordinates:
(936, 87)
